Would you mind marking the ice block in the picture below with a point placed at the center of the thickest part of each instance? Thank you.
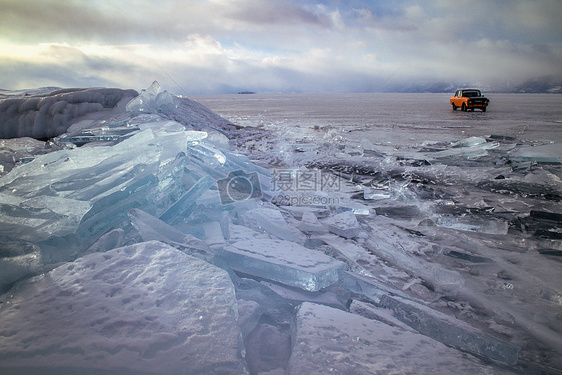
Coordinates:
(283, 261)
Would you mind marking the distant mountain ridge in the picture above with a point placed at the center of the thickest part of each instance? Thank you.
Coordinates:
(544, 84)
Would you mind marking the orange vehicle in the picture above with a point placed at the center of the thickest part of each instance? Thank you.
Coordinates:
(466, 99)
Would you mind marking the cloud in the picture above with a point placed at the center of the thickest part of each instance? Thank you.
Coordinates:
(28, 66)
(127, 21)
(212, 46)
(35, 20)
(272, 12)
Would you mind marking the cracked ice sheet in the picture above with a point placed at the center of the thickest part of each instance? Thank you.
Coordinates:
(142, 309)
(334, 341)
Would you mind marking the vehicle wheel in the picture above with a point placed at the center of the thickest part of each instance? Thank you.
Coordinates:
(454, 107)
(484, 109)
(463, 108)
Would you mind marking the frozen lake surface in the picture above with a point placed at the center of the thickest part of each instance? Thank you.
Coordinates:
(348, 233)
(464, 183)
(400, 119)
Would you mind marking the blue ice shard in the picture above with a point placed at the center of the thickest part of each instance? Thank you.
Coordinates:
(107, 212)
(153, 229)
(185, 205)
(153, 100)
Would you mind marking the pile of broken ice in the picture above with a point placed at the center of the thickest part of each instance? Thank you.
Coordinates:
(153, 248)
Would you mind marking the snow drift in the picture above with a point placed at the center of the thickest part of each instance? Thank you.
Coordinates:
(47, 115)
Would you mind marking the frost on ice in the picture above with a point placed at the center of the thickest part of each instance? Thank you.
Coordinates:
(145, 308)
(329, 340)
(139, 240)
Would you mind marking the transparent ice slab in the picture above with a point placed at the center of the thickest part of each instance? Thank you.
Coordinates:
(153, 100)
(548, 154)
(430, 322)
(109, 241)
(470, 142)
(81, 139)
(376, 194)
(38, 218)
(72, 172)
(220, 164)
(107, 212)
(183, 207)
(329, 296)
(164, 127)
(329, 340)
(391, 250)
(298, 211)
(153, 229)
(473, 223)
(94, 187)
(271, 220)
(282, 261)
(369, 149)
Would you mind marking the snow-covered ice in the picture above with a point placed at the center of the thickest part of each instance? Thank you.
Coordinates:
(283, 261)
(451, 239)
(309, 223)
(50, 114)
(344, 224)
(329, 340)
(146, 309)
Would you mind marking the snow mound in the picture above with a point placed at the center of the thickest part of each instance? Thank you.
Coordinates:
(49, 114)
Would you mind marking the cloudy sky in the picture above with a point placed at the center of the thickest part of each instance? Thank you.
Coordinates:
(226, 46)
